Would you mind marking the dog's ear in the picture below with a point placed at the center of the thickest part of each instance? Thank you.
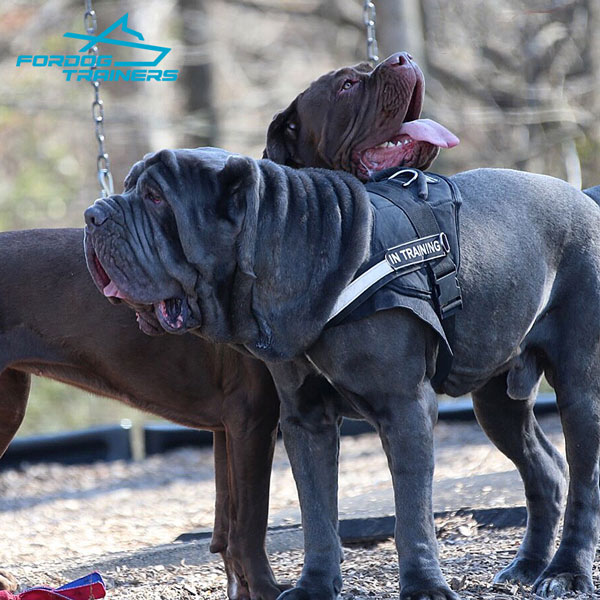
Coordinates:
(240, 184)
(363, 67)
(282, 135)
(133, 175)
(237, 179)
(166, 156)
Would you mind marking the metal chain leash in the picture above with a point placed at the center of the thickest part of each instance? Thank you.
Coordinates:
(102, 162)
(369, 19)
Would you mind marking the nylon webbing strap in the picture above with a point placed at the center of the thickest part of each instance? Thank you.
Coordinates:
(446, 292)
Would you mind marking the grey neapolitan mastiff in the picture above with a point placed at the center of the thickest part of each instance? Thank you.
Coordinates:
(256, 254)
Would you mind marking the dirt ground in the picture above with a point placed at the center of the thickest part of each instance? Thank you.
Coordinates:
(59, 521)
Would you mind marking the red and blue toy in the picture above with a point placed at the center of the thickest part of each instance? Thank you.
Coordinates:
(90, 587)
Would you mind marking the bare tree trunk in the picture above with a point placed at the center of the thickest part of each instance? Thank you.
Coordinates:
(400, 27)
(593, 131)
(195, 77)
(158, 107)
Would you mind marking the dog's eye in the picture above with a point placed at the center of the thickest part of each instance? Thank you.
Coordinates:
(153, 197)
(292, 126)
(348, 84)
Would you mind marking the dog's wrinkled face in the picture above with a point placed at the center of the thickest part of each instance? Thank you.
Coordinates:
(142, 246)
(359, 120)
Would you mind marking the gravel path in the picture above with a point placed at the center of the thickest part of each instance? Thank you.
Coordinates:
(63, 518)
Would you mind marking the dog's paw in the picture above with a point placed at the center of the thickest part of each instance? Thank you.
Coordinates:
(521, 570)
(555, 586)
(300, 593)
(295, 594)
(441, 592)
(284, 587)
(7, 581)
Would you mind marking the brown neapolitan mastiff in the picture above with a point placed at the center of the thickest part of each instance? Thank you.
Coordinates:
(252, 253)
(54, 323)
(358, 120)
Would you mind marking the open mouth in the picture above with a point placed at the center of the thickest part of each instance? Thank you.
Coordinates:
(171, 314)
(404, 144)
(102, 274)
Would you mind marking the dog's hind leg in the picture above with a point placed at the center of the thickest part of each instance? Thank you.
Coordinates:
(512, 427)
(578, 400)
(572, 348)
(14, 391)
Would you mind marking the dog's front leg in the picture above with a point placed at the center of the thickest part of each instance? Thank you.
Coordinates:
(243, 459)
(382, 367)
(310, 428)
(407, 437)
(251, 435)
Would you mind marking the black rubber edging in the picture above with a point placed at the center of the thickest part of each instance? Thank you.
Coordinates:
(114, 443)
(377, 529)
(163, 437)
(461, 409)
(71, 448)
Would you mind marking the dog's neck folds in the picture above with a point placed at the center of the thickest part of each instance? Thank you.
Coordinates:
(312, 234)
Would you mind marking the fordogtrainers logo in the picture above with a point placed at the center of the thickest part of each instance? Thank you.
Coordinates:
(100, 67)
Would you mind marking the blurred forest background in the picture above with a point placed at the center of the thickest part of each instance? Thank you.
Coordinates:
(517, 81)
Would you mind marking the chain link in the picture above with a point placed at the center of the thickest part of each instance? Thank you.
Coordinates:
(102, 162)
(369, 20)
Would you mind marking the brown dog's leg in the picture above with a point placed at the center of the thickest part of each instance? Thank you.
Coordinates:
(220, 534)
(14, 391)
(237, 588)
(250, 469)
(251, 425)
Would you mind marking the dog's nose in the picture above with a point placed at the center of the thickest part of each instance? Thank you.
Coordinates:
(95, 215)
(399, 59)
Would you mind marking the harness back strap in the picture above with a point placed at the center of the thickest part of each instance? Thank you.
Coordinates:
(446, 294)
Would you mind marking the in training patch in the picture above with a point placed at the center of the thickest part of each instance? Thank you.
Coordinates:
(417, 251)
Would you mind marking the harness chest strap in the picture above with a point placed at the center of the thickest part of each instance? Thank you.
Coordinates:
(446, 292)
(430, 251)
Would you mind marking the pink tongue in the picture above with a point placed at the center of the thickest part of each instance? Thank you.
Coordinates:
(426, 130)
(112, 290)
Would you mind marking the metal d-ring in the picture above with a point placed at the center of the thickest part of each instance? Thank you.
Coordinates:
(415, 175)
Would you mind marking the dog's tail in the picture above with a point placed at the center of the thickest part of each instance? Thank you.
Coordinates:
(594, 193)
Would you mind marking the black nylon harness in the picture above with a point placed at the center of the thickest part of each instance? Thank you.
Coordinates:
(424, 268)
